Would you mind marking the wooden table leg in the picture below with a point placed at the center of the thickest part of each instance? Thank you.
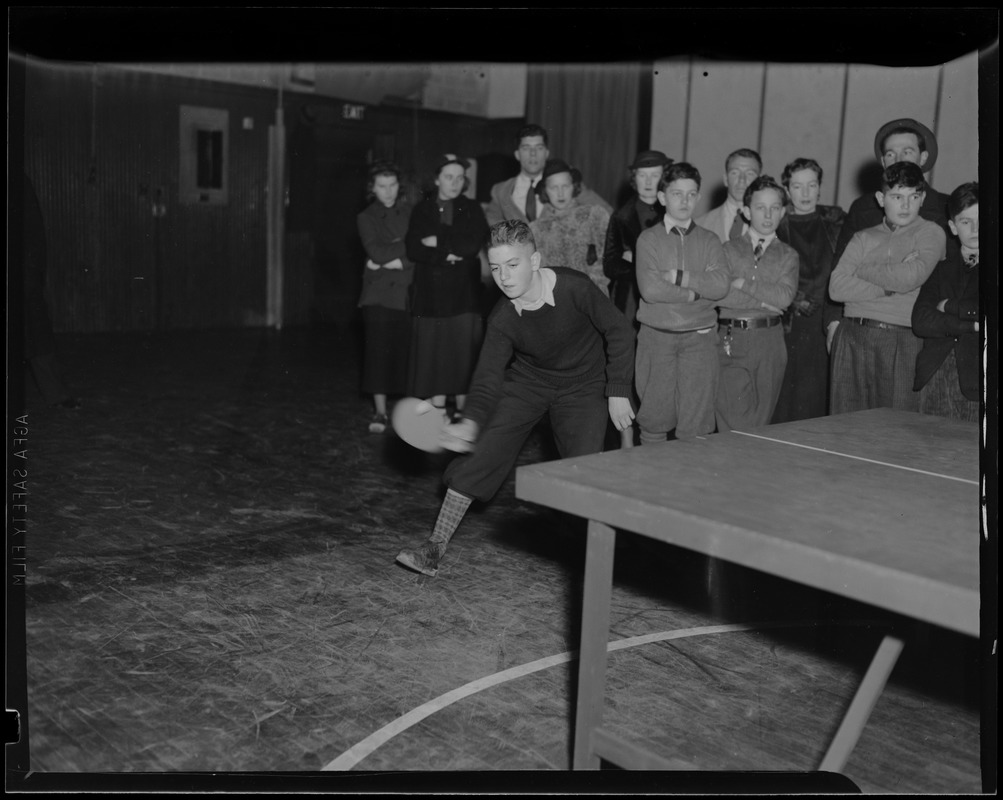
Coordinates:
(863, 703)
(595, 633)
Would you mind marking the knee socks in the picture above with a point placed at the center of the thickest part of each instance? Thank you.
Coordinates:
(454, 506)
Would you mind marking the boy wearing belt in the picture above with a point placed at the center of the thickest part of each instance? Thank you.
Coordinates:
(764, 280)
(680, 273)
(878, 278)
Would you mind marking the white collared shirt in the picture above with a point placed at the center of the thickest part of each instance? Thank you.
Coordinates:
(549, 278)
(521, 189)
(671, 223)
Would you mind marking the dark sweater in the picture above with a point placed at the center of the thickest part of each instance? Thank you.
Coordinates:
(954, 327)
(558, 346)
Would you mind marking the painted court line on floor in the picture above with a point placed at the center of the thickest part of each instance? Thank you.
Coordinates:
(859, 458)
(355, 754)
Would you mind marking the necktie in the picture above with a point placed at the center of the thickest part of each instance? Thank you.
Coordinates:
(531, 203)
(736, 226)
(759, 250)
(972, 259)
(680, 231)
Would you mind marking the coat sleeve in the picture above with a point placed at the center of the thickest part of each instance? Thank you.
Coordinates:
(927, 321)
(485, 385)
(613, 262)
(421, 225)
(714, 280)
(844, 285)
(651, 282)
(377, 246)
(780, 292)
(618, 334)
(904, 276)
(467, 235)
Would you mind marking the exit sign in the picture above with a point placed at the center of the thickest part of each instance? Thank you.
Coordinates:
(352, 112)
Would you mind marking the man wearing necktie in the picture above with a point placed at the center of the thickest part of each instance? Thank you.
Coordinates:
(516, 198)
(764, 280)
(741, 168)
(531, 201)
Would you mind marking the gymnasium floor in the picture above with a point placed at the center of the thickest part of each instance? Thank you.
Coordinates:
(211, 587)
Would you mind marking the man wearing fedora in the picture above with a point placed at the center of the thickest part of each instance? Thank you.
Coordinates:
(516, 197)
(899, 140)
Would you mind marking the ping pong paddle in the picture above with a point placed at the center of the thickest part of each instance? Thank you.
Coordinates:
(419, 423)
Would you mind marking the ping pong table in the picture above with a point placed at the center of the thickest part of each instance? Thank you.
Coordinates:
(879, 506)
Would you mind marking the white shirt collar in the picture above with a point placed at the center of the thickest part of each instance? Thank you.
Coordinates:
(758, 237)
(670, 223)
(549, 278)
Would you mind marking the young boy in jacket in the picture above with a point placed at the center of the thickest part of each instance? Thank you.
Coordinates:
(680, 273)
(555, 345)
(878, 280)
(946, 318)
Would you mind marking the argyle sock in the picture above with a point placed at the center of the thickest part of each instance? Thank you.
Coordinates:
(454, 506)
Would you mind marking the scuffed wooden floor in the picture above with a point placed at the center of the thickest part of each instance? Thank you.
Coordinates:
(212, 587)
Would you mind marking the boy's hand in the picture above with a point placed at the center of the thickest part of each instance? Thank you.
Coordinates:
(430, 241)
(621, 412)
(459, 436)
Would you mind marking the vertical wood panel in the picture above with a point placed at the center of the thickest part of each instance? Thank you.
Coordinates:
(102, 147)
(876, 95)
(801, 118)
(724, 116)
(670, 107)
(829, 112)
(958, 128)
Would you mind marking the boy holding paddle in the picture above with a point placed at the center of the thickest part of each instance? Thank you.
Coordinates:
(554, 345)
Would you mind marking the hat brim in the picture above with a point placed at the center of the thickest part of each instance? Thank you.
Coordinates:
(918, 127)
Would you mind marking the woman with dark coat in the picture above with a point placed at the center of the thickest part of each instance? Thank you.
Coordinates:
(638, 214)
(813, 231)
(385, 284)
(444, 239)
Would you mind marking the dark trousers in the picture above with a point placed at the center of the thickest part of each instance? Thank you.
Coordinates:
(873, 368)
(578, 417)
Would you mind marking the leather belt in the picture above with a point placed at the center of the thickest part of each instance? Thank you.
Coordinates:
(873, 323)
(758, 322)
